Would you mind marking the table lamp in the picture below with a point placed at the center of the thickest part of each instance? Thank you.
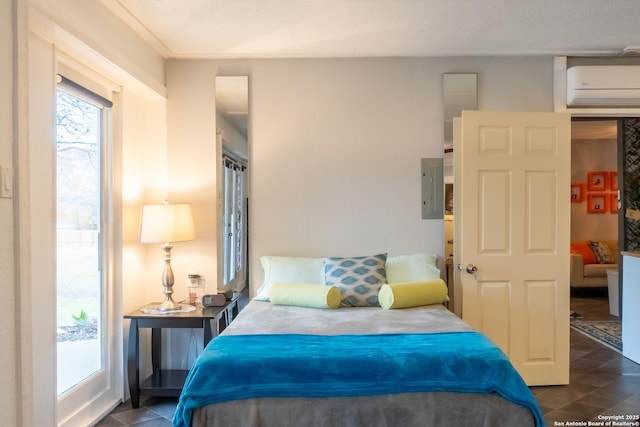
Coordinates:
(166, 224)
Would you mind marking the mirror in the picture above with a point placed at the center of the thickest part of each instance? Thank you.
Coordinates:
(459, 93)
(232, 154)
(232, 114)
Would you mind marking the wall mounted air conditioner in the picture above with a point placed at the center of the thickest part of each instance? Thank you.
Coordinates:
(603, 85)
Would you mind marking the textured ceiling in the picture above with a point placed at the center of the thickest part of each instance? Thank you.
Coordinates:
(375, 28)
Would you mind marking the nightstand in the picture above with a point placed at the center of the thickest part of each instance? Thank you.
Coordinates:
(169, 382)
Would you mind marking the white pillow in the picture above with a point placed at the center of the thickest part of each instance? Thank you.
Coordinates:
(412, 268)
(279, 269)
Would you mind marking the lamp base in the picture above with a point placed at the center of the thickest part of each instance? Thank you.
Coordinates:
(170, 305)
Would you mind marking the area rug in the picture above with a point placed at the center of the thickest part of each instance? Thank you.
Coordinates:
(607, 332)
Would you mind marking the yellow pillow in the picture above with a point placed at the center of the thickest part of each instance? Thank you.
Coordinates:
(305, 295)
(412, 294)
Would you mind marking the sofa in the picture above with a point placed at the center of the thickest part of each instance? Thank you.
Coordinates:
(590, 261)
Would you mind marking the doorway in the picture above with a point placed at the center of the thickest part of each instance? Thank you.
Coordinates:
(85, 353)
(596, 144)
(594, 218)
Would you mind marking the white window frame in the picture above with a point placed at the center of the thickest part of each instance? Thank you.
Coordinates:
(98, 395)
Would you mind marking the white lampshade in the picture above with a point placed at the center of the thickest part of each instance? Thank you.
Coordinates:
(166, 223)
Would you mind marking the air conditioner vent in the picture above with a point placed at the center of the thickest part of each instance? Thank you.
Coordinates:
(606, 86)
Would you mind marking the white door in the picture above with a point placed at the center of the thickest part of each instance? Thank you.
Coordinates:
(513, 224)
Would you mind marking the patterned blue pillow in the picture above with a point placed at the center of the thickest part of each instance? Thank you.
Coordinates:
(358, 278)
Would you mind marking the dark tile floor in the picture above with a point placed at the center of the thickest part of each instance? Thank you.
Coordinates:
(603, 382)
(153, 412)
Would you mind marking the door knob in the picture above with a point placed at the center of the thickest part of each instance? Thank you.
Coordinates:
(471, 269)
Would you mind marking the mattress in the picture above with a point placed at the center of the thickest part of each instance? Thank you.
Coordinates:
(261, 325)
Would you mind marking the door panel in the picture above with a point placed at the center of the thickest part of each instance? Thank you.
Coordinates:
(513, 225)
(495, 314)
(540, 319)
(494, 191)
(540, 206)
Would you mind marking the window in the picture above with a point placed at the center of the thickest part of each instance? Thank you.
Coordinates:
(234, 223)
(84, 305)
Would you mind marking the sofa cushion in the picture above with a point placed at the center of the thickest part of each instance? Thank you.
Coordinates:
(603, 252)
(584, 249)
(598, 270)
(613, 245)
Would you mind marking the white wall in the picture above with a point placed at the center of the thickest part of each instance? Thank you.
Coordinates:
(37, 231)
(191, 166)
(350, 135)
(335, 145)
(8, 327)
(143, 176)
(588, 156)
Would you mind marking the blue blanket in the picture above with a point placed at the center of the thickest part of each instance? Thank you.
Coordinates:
(289, 365)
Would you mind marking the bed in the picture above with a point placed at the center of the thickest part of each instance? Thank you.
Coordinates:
(296, 364)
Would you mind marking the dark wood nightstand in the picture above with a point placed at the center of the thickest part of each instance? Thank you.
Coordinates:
(169, 382)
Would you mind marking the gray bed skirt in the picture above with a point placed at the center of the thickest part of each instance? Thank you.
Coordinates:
(399, 410)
